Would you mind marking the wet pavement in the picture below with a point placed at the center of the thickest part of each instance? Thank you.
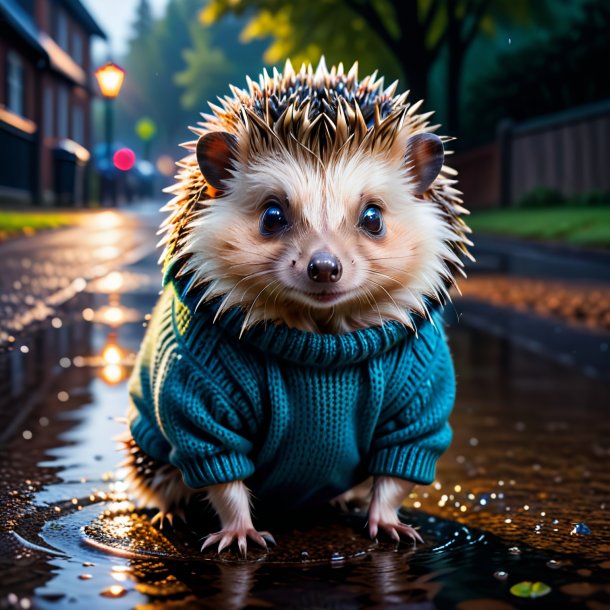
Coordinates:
(522, 494)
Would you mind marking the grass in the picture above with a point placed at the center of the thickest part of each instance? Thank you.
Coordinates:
(579, 226)
(13, 224)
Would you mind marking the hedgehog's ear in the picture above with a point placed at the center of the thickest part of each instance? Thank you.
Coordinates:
(425, 157)
(215, 153)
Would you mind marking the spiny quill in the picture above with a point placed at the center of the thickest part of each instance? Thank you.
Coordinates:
(316, 115)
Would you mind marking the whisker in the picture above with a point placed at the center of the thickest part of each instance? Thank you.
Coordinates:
(251, 308)
(389, 277)
(222, 305)
(400, 311)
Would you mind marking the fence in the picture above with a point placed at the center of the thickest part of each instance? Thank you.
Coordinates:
(568, 151)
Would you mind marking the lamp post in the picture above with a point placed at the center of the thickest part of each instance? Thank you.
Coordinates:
(110, 79)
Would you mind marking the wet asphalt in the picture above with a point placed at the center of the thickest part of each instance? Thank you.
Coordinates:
(524, 481)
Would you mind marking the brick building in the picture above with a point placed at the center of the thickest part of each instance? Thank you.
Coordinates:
(46, 88)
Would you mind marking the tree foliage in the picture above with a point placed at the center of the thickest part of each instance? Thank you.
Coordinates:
(144, 21)
(403, 37)
(175, 66)
(542, 77)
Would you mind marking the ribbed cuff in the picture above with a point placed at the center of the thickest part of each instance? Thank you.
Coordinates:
(149, 440)
(417, 464)
(215, 469)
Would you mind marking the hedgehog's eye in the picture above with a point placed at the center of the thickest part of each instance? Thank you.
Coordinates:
(371, 220)
(272, 220)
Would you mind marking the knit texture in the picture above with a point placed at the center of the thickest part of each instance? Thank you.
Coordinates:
(300, 416)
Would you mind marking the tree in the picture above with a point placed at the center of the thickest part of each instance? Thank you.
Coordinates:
(410, 32)
(545, 75)
(216, 58)
(144, 21)
(174, 66)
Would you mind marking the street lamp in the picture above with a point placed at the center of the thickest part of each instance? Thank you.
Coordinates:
(109, 78)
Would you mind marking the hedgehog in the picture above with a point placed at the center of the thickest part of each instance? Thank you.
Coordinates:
(297, 355)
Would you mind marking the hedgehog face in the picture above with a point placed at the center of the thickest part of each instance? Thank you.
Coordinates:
(326, 229)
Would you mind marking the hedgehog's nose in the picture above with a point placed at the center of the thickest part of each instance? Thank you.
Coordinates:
(324, 267)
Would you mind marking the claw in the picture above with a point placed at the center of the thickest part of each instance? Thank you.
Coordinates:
(268, 538)
(225, 538)
(373, 530)
(211, 539)
(225, 542)
(396, 531)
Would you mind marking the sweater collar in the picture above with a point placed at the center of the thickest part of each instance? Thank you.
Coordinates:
(290, 344)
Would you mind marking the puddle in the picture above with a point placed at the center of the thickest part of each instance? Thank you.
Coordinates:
(529, 461)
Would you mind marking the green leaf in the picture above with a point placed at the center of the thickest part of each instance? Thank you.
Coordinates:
(530, 589)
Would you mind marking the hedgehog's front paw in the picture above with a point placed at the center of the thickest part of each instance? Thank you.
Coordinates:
(394, 529)
(385, 519)
(228, 535)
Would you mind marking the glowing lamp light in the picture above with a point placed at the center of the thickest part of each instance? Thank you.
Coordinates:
(113, 374)
(112, 354)
(110, 79)
(124, 159)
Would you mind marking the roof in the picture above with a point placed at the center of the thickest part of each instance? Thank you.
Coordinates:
(83, 16)
(22, 23)
(62, 62)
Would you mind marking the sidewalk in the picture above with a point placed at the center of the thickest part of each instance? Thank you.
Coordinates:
(548, 298)
(43, 271)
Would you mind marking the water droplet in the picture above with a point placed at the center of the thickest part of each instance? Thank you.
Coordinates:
(63, 396)
(65, 363)
(88, 564)
(27, 435)
(24, 349)
(304, 555)
(85, 576)
(56, 323)
(580, 529)
(337, 557)
(501, 575)
(44, 421)
(514, 550)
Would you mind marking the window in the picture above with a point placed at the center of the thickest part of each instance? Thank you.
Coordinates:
(61, 29)
(77, 47)
(78, 125)
(49, 113)
(63, 111)
(15, 85)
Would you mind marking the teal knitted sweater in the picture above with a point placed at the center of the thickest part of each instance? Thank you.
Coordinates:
(300, 416)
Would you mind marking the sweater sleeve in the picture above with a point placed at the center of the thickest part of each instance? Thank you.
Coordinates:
(204, 426)
(409, 444)
(188, 414)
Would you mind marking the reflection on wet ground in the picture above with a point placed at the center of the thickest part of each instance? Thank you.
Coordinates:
(521, 495)
(577, 302)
